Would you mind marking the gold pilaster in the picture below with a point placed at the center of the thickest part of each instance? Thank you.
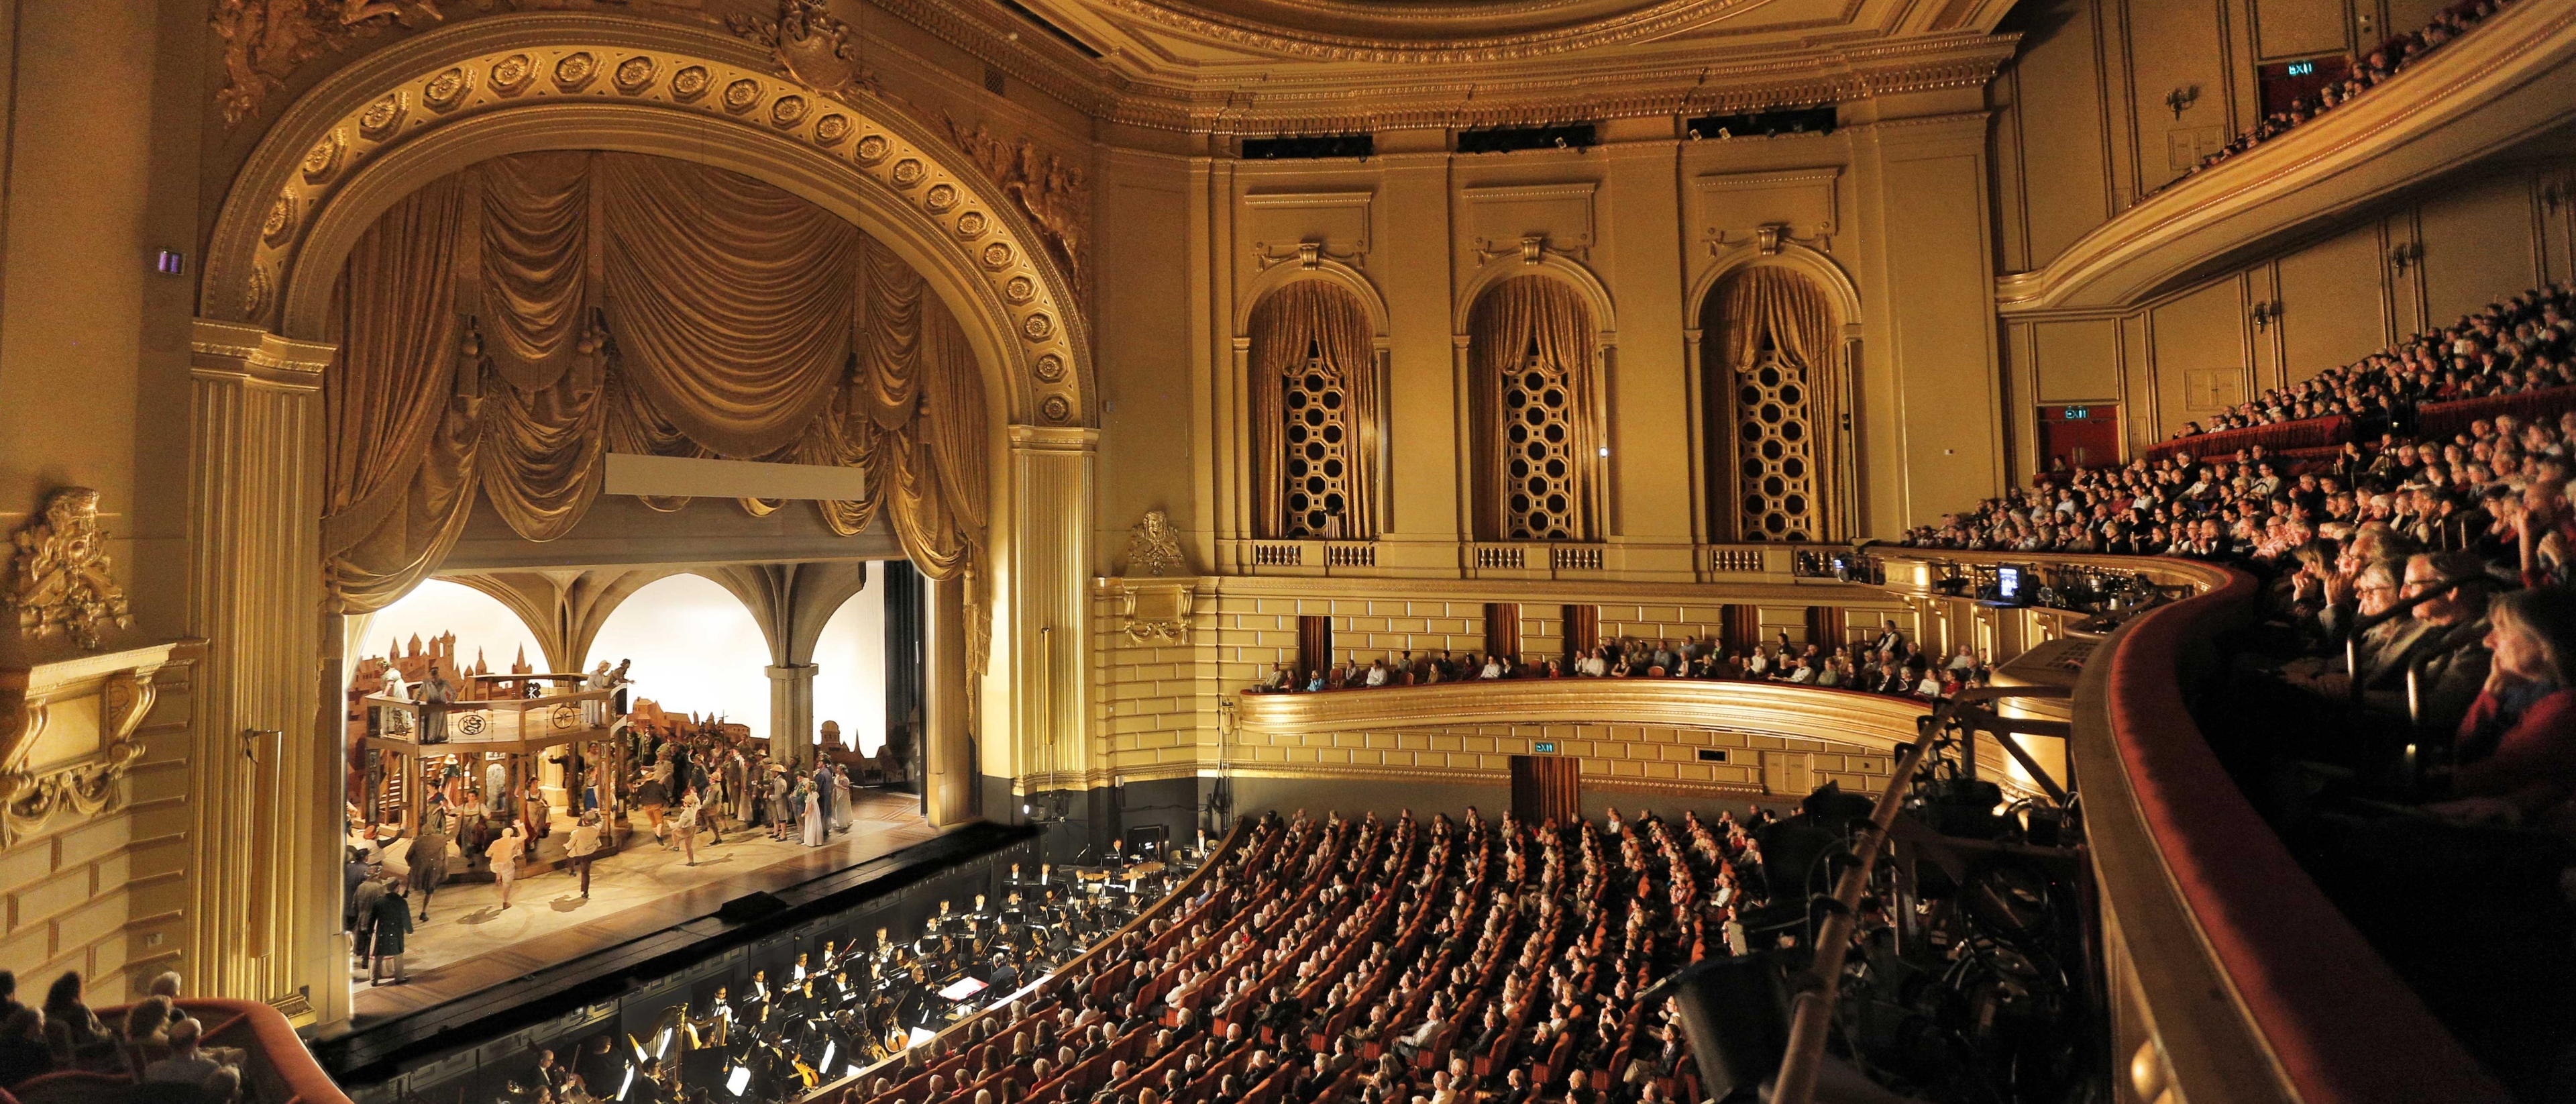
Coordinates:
(265, 790)
(1048, 582)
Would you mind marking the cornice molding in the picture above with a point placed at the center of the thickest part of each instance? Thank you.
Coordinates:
(1332, 98)
(1645, 21)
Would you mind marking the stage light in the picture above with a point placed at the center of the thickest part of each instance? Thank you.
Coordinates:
(739, 1079)
(664, 1050)
(629, 1083)
(1735, 1013)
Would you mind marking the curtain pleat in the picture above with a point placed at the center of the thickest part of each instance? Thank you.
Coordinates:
(536, 284)
(740, 321)
(1304, 315)
(1515, 317)
(731, 300)
(543, 455)
(399, 454)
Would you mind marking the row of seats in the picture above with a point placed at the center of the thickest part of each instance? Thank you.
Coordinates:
(1333, 959)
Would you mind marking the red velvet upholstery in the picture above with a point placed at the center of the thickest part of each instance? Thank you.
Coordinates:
(2306, 433)
(2345, 1028)
(2441, 420)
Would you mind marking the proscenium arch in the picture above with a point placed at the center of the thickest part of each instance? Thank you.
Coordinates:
(374, 131)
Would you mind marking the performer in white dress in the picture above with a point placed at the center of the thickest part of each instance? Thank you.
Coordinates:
(813, 815)
(840, 799)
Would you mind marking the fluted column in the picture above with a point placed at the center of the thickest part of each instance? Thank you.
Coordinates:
(791, 713)
(266, 785)
(1046, 745)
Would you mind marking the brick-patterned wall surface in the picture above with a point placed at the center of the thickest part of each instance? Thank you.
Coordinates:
(91, 893)
(1646, 755)
(1155, 701)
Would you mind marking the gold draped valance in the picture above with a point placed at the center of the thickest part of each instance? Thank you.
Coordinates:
(506, 327)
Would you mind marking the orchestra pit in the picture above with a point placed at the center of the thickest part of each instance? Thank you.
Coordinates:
(1287, 552)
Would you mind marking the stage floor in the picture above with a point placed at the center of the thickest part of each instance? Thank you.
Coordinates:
(471, 943)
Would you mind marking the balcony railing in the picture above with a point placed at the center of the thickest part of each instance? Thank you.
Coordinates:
(275, 1067)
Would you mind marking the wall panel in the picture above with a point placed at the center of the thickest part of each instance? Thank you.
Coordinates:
(2198, 345)
(2332, 303)
(2479, 245)
(2077, 362)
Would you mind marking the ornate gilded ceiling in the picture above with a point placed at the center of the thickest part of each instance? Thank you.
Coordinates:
(1258, 67)
(1269, 66)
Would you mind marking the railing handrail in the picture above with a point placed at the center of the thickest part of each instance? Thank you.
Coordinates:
(273, 1042)
(2257, 987)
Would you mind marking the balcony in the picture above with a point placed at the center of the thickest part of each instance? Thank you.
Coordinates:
(275, 1067)
(2502, 85)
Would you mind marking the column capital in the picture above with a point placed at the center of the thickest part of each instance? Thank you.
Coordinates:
(251, 354)
(1029, 438)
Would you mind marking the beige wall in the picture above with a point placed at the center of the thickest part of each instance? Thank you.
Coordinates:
(107, 895)
(1892, 208)
(2082, 126)
(100, 105)
(2483, 236)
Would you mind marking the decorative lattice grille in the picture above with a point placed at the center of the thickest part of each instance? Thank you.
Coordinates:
(1774, 451)
(1538, 453)
(1318, 444)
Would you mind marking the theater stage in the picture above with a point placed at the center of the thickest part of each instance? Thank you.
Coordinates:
(470, 943)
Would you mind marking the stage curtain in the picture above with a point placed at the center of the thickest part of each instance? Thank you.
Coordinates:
(399, 451)
(1317, 315)
(543, 449)
(506, 327)
(731, 300)
(1768, 301)
(1511, 319)
(538, 264)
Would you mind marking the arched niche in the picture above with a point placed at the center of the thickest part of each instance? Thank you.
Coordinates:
(1835, 452)
(1537, 455)
(1349, 502)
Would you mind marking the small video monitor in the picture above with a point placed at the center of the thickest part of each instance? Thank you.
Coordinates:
(2008, 585)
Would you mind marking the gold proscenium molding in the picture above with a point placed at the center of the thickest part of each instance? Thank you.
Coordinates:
(67, 733)
(61, 580)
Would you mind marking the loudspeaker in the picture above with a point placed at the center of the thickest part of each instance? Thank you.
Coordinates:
(750, 907)
(1735, 1012)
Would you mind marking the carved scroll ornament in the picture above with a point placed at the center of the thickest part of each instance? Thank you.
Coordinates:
(61, 580)
(88, 783)
(1154, 545)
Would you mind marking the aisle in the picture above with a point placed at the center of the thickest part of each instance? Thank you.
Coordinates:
(470, 942)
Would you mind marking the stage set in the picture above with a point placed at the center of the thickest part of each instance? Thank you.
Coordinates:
(455, 770)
